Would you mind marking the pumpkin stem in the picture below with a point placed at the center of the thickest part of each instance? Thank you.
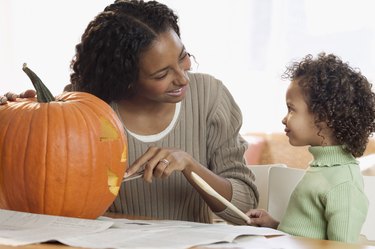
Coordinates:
(42, 93)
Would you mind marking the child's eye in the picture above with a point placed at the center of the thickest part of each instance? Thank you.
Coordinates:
(290, 109)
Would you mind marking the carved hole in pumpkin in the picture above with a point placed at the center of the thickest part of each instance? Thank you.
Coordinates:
(113, 182)
(108, 131)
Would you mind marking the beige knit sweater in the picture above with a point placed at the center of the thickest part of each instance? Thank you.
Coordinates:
(208, 129)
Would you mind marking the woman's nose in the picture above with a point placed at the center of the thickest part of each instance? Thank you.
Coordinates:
(183, 77)
(184, 66)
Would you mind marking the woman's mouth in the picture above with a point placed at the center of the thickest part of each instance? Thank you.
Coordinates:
(177, 92)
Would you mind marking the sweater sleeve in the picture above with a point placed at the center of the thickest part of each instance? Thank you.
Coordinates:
(225, 154)
(346, 210)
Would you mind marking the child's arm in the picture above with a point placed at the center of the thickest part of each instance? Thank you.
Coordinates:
(346, 210)
(260, 217)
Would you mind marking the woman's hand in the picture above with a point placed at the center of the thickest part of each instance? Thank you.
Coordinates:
(260, 217)
(161, 162)
(9, 96)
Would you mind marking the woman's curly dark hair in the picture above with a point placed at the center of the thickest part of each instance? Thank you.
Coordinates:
(338, 95)
(106, 62)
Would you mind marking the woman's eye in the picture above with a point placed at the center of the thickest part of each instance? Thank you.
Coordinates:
(160, 77)
(184, 56)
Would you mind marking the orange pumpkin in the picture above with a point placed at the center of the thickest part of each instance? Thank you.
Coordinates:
(63, 156)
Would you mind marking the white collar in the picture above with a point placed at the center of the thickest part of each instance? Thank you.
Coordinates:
(154, 137)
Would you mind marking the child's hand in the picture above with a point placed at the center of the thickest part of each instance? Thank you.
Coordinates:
(260, 217)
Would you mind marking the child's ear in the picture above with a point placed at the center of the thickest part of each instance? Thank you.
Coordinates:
(326, 133)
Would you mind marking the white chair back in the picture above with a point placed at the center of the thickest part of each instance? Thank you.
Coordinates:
(368, 228)
(261, 181)
(282, 182)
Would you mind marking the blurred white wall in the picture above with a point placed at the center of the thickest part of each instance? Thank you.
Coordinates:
(245, 43)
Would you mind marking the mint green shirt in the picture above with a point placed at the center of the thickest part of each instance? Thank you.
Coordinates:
(329, 201)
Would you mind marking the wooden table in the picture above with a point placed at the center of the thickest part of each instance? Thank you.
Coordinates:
(291, 242)
(287, 242)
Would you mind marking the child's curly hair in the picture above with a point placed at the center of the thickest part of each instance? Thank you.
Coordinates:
(338, 95)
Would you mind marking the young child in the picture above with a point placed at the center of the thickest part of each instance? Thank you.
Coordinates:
(331, 107)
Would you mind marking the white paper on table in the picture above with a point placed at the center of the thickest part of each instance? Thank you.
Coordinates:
(17, 228)
(165, 234)
(20, 228)
(253, 242)
(171, 224)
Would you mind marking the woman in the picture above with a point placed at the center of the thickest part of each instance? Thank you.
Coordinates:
(131, 56)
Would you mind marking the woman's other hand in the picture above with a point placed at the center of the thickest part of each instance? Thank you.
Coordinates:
(9, 96)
